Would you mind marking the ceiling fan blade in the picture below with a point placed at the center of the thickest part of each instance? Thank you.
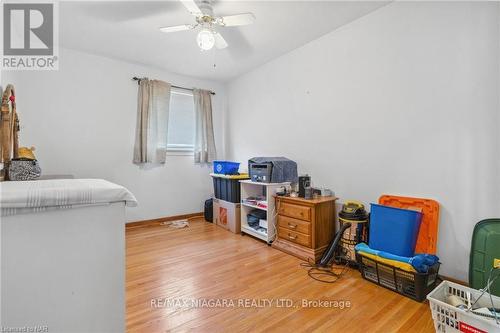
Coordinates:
(235, 20)
(220, 42)
(192, 7)
(177, 28)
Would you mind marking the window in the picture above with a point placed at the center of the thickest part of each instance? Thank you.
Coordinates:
(181, 122)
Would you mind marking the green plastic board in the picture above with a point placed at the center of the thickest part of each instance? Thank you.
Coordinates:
(485, 248)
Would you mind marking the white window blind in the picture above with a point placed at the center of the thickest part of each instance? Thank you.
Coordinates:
(181, 121)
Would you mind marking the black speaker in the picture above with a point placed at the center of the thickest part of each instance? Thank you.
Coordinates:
(304, 181)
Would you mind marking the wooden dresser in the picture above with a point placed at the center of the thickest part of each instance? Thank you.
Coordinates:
(305, 227)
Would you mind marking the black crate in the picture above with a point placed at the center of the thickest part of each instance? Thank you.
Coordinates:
(413, 285)
(227, 189)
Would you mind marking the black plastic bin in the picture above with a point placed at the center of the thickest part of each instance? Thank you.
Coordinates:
(227, 189)
(413, 285)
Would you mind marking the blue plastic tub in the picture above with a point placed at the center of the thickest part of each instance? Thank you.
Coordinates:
(394, 230)
(226, 167)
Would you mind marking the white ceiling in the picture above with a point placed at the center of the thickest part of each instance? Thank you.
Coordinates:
(128, 30)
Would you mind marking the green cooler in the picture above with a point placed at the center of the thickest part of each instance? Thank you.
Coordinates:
(485, 248)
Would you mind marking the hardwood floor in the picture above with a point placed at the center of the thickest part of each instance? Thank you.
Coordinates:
(206, 263)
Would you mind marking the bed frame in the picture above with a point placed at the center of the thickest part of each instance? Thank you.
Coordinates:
(65, 269)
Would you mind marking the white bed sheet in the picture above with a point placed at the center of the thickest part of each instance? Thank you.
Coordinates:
(42, 195)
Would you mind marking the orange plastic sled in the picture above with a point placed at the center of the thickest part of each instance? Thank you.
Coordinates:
(428, 233)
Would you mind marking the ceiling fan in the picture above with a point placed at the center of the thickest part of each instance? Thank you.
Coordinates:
(208, 37)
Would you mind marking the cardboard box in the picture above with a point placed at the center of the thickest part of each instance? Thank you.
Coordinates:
(227, 215)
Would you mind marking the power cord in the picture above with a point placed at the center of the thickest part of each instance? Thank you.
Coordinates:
(327, 274)
(487, 288)
(274, 214)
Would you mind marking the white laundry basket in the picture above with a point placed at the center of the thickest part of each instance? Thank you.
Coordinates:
(448, 318)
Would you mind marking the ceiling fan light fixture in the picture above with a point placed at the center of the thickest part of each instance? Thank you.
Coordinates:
(206, 39)
(203, 13)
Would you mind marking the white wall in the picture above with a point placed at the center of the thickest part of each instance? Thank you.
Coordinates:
(402, 101)
(82, 121)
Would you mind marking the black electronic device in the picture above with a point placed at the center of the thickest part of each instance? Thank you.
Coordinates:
(260, 172)
(272, 170)
(304, 181)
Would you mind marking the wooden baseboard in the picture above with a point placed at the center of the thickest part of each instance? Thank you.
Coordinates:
(463, 283)
(157, 221)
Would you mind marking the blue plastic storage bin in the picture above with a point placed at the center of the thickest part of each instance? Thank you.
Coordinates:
(394, 230)
(226, 167)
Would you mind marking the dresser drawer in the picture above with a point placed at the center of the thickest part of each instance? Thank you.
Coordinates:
(295, 211)
(294, 224)
(295, 237)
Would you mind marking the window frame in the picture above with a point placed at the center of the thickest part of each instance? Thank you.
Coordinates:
(180, 149)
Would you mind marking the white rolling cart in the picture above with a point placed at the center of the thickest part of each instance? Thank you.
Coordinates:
(267, 191)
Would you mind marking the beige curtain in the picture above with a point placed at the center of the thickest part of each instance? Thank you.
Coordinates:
(153, 103)
(204, 144)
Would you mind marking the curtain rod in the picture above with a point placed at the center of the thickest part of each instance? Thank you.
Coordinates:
(138, 79)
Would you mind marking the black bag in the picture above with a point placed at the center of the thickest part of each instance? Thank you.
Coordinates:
(209, 210)
(24, 169)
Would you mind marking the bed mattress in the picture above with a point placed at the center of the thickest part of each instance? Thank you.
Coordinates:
(22, 197)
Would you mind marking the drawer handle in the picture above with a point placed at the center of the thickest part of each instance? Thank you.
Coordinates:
(292, 226)
(292, 237)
